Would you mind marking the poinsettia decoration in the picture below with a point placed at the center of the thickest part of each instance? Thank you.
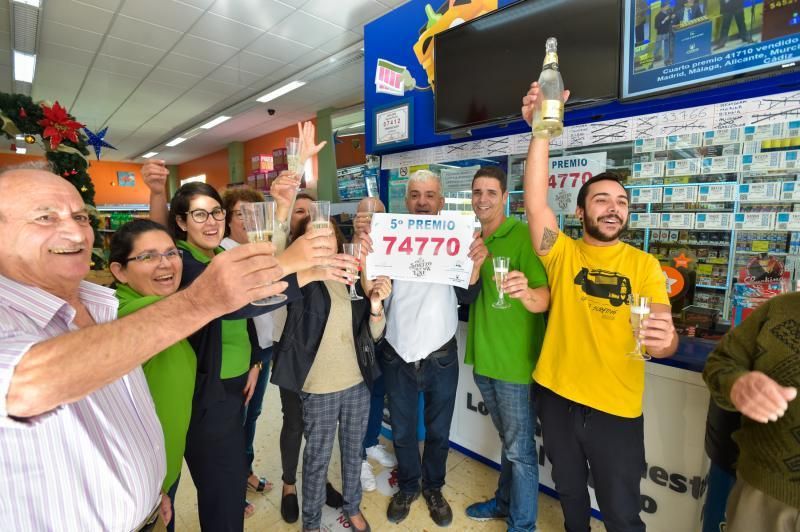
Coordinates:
(58, 125)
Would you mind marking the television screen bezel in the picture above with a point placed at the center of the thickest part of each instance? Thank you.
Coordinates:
(513, 118)
(722, 81)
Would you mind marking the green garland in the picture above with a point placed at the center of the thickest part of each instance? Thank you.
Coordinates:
(20, 116)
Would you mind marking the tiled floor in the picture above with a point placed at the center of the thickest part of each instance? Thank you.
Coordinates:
(468, 481)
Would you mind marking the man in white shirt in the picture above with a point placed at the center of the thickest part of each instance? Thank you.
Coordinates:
(420, 355)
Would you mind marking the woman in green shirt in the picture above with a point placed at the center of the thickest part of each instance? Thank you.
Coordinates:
(148, 266)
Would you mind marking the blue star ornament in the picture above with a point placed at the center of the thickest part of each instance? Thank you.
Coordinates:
(96, 140)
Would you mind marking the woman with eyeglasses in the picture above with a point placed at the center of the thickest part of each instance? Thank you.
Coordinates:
(148, 266)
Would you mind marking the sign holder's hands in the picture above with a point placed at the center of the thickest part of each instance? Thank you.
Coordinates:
(477, 253)
(378, 290)
(760, 398)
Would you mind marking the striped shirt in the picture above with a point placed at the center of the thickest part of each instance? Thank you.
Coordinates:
(95, 464)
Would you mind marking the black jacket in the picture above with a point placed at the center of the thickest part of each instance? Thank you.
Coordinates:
(305, 324)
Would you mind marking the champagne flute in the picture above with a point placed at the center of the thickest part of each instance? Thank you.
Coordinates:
(640, 310)
(293, 154)
(354, 250)
(500, 265)
(320, 214)
(259, 222)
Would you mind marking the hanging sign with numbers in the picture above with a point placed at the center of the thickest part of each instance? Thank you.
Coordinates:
(567, 176)
(431, 249)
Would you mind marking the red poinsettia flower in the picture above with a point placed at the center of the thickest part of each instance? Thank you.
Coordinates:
(58, 125)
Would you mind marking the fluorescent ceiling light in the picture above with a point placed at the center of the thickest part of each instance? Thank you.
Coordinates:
(149, 154)
(175, 141)
(24, 66)
(277, 93)
(34, 3)
(21, 151)
(217, 121)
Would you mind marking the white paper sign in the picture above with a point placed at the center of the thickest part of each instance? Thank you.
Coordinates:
(458, 179)
(683, 167)
(790, 190)
(763, 132)
(422, 248)
(567, 176)
(644, 220)
(648, 145)
(762, 161)
(787, 221)
(677, 220)
(716, 193)
(721, 136)
(756, 221)
(680, 194)
(646, 195)
(713, 220)
(686, 140)
(759, 192)
(391, 126)
(648, 170)
(721, 165)
(793, 128)
(791, 159)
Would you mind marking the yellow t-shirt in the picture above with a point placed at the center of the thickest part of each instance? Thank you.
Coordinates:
(588, 331)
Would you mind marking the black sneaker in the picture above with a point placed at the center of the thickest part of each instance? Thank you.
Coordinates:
(400, 505)
(333, 498)
(290, 510)
(440, 511)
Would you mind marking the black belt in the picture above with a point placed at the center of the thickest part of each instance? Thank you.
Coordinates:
(439, 353)
(149, 522)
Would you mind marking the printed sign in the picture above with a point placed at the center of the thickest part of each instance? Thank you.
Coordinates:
(683, 167)
(762, 161)
(713, 220)
(422, 248)
(677, 220)
(763, 132)
(685, 140)
(717, 193)
(791, 159)
(790, 190)
(648, 170)
(567, 176)
(721, 165)
(759, 192)
(646, 195)
(458, 179)
(680, 194)
(787, 221)
(642, 220)
(649, 145)
(756, 221)
(721, 136)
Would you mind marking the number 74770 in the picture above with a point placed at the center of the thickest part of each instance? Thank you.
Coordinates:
(451, 245)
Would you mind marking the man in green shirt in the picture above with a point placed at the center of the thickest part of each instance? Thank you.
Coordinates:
(503, 346)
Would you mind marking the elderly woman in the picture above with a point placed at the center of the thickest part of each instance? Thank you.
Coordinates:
(148, 266)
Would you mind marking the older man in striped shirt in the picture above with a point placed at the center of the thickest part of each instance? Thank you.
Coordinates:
(81, 447)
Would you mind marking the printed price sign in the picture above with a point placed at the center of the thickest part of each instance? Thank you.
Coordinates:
(422, 248)
(790, 191)
(677, 220)
(762, 161)
(648, 170)
(683, 167)
(713, 220)
(717, 193)
(680, 194)
(721, 136)
(567, 176)
(787, 221)
(759, 192)
(639, 220)
(754, 221)
(721, 165)
(648, 145)
(686, 140)
(791, 159)
(763, 132)
(646, 195)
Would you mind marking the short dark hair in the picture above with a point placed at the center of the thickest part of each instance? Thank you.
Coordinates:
(605, 176)
(124, 238)
(232, 196)
(179, 206)
(492, 171)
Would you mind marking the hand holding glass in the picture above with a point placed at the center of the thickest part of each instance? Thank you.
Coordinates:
(293, 154)
(320, 214)
(259, 222)
(640, 310)
(354, 250)
(500, 265)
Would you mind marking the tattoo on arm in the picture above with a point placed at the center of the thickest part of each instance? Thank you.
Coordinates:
(548, 239)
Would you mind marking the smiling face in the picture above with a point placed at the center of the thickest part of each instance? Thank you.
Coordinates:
(424, 197)
(208, 234)
(45, 236)
(605, 217)
(238, 232)
(158, 276)
(488, 200)
(302, 211)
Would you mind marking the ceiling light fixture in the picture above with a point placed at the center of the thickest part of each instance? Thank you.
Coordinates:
(24, 66)
(34, 3)
(277, 93)
(175, 141)
(217, 121)
(21, 151)
(149, 154)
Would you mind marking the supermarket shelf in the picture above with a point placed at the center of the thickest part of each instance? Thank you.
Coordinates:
(711, 286)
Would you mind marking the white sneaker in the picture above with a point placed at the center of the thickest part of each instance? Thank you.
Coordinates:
(367, 477)
(381, 455)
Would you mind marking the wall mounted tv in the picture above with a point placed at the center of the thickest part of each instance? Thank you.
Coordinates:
(485, 66)
(675, 45)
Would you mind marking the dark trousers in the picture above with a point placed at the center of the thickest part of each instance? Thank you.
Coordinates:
(726, 26)
(253, 408)
(578, 439)
(171, 494)
(375, 418)
(291, 434)
(216, 459)
(437, 377)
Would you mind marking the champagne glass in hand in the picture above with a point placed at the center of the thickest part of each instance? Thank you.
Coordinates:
(355, 251)
(259, 222)
(640, 310)
(500, 265)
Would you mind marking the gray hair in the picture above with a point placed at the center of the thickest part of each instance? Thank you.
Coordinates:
(45, 166)
(424, 175)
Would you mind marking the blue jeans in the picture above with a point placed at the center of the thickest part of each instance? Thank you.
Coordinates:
(511, 408)
(171, 494)
(253, 408)
(437, 378)
(662, 40)
(375, 415)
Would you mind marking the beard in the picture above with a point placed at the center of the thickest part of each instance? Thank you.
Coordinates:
(592, 228)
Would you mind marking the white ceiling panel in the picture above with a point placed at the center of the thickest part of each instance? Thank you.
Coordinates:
(341, 41)
(131, 51)
(311, 58)
(307, 29)
(188, 65)
(170, 13)
(102, 93)
(200, 48)
(225, 31)
(345, 13)
(279, 48)
(110, 5)
(78, 15)
(56, 33)
(64, 54)
(174, 77)
(219, 88)
(262, 14)
(139, 31)
(116, 65)
(203, 4)
(254, 63)
(234, 76)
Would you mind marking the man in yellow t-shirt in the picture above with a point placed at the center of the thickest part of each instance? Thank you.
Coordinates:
(589, 392)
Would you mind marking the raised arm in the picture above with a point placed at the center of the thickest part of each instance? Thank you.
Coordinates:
(155, 174)
(542, 221)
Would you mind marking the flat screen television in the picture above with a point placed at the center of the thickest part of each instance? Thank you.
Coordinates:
(484, 67)
(677, 45)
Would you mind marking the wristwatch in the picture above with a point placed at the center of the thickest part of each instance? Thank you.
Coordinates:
(259, 365)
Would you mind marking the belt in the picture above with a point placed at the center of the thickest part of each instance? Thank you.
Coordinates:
(439, 353)
(149, 522)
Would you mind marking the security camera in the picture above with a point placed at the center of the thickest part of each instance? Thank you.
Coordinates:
(270, 112)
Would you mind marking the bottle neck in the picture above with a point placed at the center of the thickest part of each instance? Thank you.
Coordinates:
(551, 58)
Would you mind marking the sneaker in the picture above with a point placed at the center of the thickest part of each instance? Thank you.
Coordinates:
(381, 455)
(438, 507)
(367, 477)
(485, 511)
(400, 505)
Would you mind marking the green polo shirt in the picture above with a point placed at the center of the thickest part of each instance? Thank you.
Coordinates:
(235, 339)
(504, 344)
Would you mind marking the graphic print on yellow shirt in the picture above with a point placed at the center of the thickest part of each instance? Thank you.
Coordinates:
(589, 332)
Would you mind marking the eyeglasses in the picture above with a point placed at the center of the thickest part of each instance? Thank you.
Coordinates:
(201, 215)
(150, 257)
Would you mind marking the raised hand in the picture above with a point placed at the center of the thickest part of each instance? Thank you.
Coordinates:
(531, 101)
(154, 175)
(308, 146)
